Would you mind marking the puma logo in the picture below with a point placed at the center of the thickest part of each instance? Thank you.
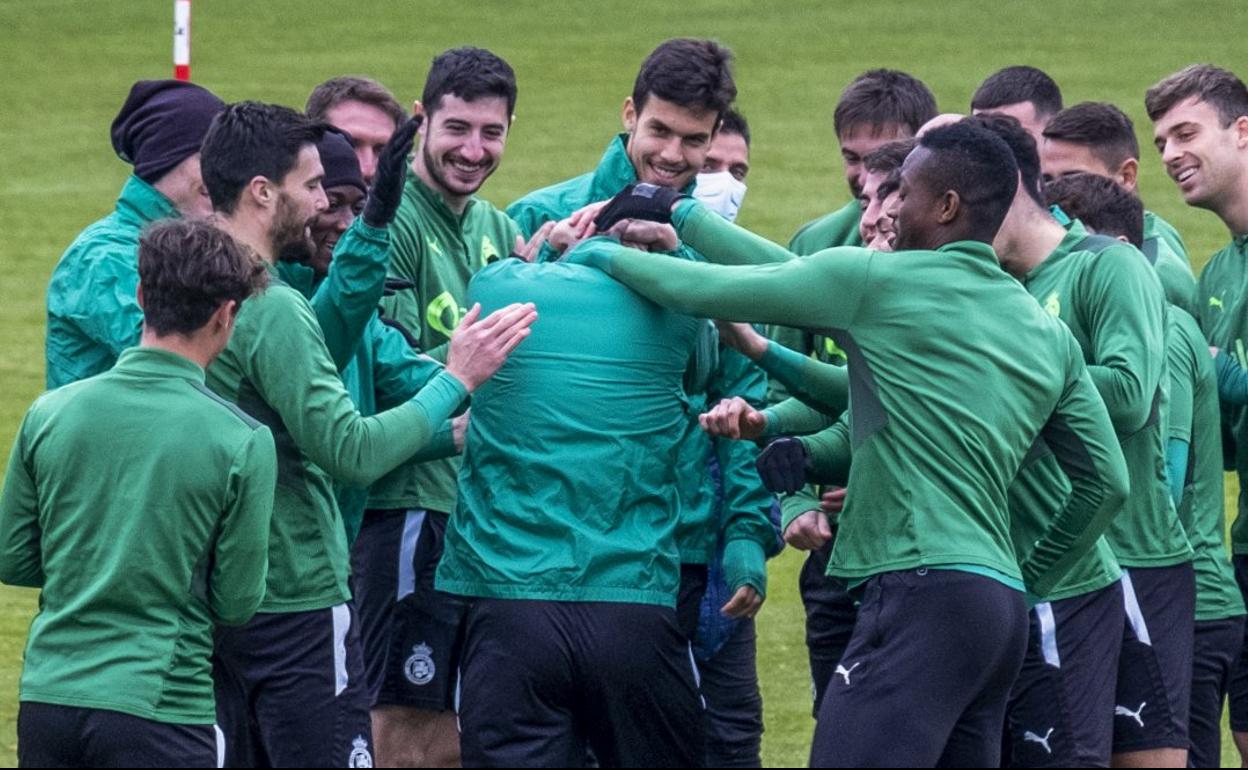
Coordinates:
(1029, 736)
(1216, 302)
(1123, 711)
(843, 672)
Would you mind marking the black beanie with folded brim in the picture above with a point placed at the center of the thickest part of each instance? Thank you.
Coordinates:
(342, 167)
(162, 123)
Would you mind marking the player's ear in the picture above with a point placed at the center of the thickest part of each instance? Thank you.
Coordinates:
(138, 295)
(1241, 131)
(1128, 174)
(629, 115)
(950, 206)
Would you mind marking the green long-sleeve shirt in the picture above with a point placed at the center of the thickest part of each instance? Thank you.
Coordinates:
(383, 370)
(139, 503)
(92, 311)
(1224, 319)
(1164, 250)
(715, 372)
(1114, 305)
(954, 372)
(438, 251)
(276, 368)
(1194, 418)
(568, 489)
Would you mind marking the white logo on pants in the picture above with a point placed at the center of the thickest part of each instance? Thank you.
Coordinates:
(419, 669)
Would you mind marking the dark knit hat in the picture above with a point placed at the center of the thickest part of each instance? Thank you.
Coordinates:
(162, 123)
(339, 161)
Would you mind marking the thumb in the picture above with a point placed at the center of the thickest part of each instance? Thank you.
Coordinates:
(825, 529)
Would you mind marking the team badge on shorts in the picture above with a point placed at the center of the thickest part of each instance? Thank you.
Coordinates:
(360, 756)
(419, 668)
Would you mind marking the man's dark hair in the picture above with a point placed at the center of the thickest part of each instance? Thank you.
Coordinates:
(1101, 127)
(189, 268)
(1100, 204)
(471, 74)
(350, 88)
(690, 73)
(976, 164)
(879, 99)
(887, 159)
(1021, 144)
(1213, 85)
(1018, 84)
(251, 139)
(735, 123)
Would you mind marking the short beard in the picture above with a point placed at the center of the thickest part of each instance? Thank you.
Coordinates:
(288, 235)
(435, 173)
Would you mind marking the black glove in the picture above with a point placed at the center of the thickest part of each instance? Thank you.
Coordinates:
(639, 201)
(782, 465)
(387, 189)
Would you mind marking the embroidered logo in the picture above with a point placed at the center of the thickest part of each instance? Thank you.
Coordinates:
(1123, 711)
(360, 755)
(1053, 305)
(435, 247)
(1029, 736)
(419, 668)
(444, 314)
(1216, 302)
(844, 673)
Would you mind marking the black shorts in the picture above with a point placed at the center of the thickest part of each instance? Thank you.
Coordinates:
(830, 616)
(64, 736)
(1216, 650)
(927, 673)
(1061, 711)
(1238, 693)
(1153, 696)
(734, 705)
(290, 691)
(543, 682)
(413, 634)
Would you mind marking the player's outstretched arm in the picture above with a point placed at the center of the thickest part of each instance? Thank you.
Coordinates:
(822, 386)
(241, 553)
(21, 557)
(821, 291)
(1083, 441)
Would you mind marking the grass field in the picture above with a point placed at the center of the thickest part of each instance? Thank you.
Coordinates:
(67, 65)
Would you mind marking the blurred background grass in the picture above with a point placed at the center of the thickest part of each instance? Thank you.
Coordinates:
(67, 65)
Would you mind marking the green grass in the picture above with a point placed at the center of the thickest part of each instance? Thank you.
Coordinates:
(67, 65)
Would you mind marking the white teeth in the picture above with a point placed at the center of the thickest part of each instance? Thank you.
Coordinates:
(1185, 175)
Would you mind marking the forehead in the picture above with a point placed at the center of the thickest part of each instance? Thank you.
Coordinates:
(347, 193)
(730, 147)
(307, 164)
(354, 117)
(682, 120)
(483, 111)
(1193, 109)
(913, 165)
(863, 139)
(1057, 156)
(1023, 112)
(871, 182)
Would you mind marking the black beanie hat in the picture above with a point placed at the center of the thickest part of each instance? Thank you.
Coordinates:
(339, 161)
(162, 123)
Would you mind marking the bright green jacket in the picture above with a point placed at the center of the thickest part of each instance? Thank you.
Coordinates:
(139, 502)
(92, 311)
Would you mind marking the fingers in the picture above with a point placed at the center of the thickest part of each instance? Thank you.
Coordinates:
(470, 317)
(823, 529)
(745, 603)
(808, 532)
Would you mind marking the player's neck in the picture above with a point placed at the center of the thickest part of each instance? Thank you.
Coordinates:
(1027, 238)
(250, 232)
(456, 203)
(194, 348)
(1233, 210)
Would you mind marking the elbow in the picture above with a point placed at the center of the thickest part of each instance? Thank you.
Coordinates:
(21, 578)
(237, 611)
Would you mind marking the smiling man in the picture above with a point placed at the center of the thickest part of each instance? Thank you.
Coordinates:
(441, 236)
(364, 109)
(1200, 127)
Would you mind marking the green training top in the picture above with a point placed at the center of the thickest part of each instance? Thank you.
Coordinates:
(139, 502)
(1113, 304)
(438, 251)
(715, 372)
(276, 368)
(568, 485)
(1224, 319)
(92, 311)
(943, 409)
(1194, 418)
(1172, 265)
